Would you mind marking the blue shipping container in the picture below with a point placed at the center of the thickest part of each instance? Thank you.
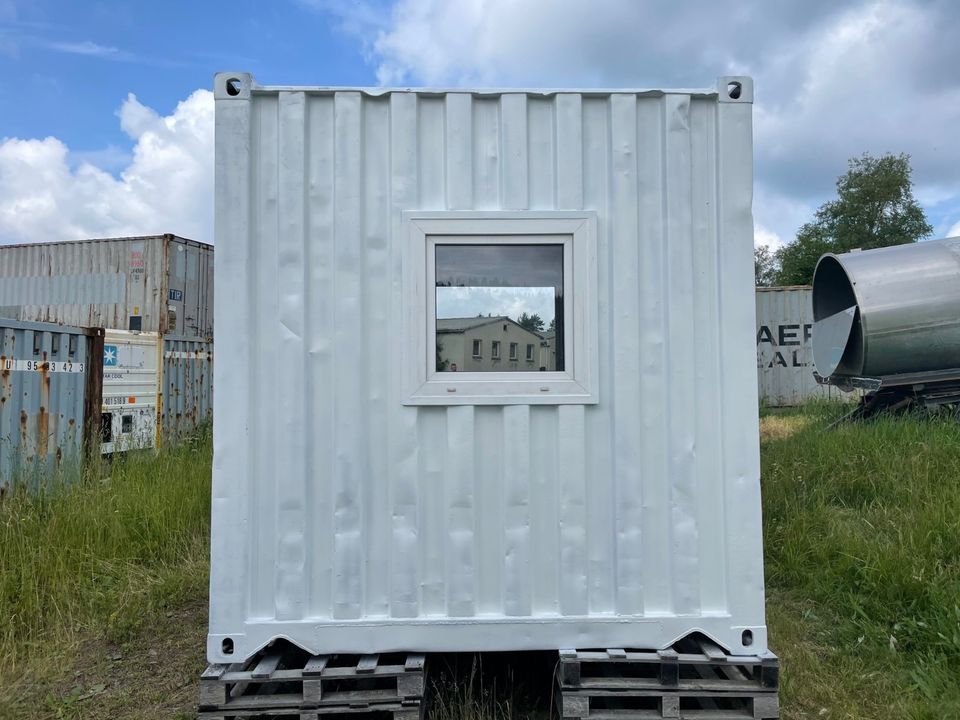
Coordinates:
(46, 380)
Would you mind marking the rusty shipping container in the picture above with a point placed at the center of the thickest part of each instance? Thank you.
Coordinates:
(785, 350)
(49, 400)
(186, 386)
(157, 283)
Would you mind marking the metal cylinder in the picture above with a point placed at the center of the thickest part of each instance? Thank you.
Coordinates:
(888, 311)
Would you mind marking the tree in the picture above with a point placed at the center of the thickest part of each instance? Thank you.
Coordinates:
(874, 208)
(533, 323)
(442, 362)
(764, 266)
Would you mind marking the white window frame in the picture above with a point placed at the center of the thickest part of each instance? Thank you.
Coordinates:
(530, 351)
(514, 351)
(476, 348)
(576, 231)
(494, 349)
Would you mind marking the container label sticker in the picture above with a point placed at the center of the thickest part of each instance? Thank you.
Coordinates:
(53, 366)
(137, 263)
(176, 295)
(125, 356)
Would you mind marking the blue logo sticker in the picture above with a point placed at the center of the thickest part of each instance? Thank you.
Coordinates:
(109, 355)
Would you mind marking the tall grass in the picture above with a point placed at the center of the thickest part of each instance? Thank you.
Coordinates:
(99, 557)
(862, 528)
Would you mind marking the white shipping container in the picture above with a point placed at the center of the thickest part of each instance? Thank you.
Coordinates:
(131, 382)
(369, 499)
(785, 349)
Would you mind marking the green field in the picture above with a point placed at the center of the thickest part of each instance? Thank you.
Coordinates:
(104, 585)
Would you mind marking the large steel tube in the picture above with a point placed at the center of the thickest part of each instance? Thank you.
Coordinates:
(888, 311)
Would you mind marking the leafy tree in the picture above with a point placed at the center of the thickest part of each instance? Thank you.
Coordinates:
(874, 208)
(764, 266)
(533, 323)
(553, 325)
(442, 363)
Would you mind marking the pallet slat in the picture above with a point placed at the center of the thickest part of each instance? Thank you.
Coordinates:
(267, 666)
(368, 663)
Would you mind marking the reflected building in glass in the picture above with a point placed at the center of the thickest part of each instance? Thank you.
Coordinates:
(484, 293)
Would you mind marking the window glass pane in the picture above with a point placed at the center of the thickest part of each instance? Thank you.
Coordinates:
(498, 293)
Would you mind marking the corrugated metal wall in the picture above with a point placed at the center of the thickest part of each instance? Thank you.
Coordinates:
(187, 386)
(44, 371)
(101, 283)
(348, 522)
(190, 289)
(785, 350)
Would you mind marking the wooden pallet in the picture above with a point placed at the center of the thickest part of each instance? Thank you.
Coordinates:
(286, 682)
(694, 679)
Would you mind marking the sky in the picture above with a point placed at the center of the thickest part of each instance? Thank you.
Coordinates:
(106, 125)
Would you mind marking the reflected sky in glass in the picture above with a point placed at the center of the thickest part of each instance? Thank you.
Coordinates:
(499, 279)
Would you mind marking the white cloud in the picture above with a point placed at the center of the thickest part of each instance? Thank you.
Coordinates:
(954, 230)
(762, 237)
(833, 80)
(86, 47)
(167, 186)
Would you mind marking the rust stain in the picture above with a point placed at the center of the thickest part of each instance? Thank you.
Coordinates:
(43, 430)
(43, 417)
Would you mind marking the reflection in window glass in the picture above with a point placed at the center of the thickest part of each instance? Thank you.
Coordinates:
(499, 293)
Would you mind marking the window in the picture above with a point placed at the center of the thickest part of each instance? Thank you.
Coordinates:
(516, 286)
(506, 278)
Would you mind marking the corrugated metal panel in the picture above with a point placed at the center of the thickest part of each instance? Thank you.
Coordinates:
(349, 522)
(187, 386)
(190, 289)
(785, 349)
(103, 282)
(43, 375)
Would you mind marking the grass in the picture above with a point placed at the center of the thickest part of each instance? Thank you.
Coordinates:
(99, 561)
(104, 583)
(862, 537)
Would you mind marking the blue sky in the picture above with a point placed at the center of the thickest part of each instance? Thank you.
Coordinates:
(107, 126)
(69, 65)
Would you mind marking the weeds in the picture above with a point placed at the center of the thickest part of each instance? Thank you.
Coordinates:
(862, 527)
(101, 556)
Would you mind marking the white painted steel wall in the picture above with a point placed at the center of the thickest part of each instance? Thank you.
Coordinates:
(785, 350)
(346, 521)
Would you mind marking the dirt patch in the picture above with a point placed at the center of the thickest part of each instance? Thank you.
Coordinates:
(154, 676)
(778, 427)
